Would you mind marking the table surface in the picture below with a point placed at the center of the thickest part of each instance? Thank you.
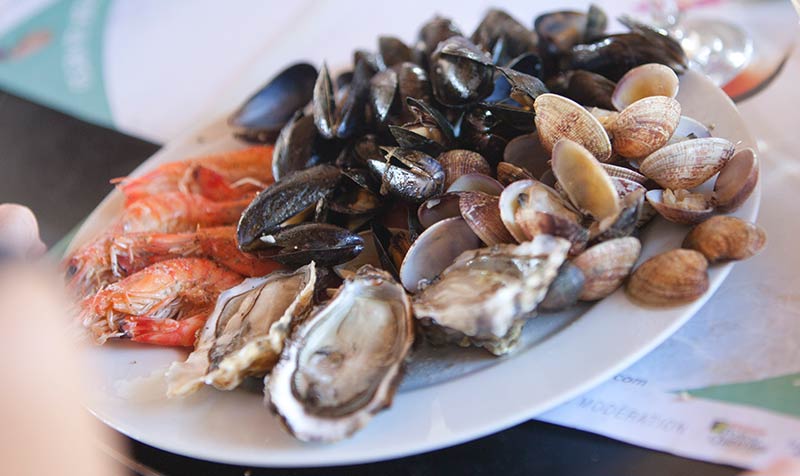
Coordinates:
(61, 167)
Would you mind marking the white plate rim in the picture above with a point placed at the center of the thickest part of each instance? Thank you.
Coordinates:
(506, 410)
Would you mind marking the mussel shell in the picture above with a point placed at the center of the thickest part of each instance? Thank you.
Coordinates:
(612, 56)
(392, 51)
(431, 118)
(504, 36)
(343, 118)
(282, 200)
(383, 94)
(565, 290)
(559, 31)
(263, 115)
(413, 82)
(461, 73)
(408, 138)
(525, 88)
(409, 175)
(325, 244)
(435, 31)
(294, 149)
(589, 89)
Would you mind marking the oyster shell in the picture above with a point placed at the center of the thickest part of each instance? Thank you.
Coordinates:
(343, 363)
(245, 334)
(485, 296)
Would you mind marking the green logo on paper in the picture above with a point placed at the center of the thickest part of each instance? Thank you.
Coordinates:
(56, 58)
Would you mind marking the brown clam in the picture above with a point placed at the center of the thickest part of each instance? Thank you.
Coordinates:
(434, 250)
(736, 181)
(535, 196)
(560, 118)
(482, 213)
(605, 117)
(606, 265)
(526, 151)
(723, 238)
(476, 183)
(533, 222)
(645, 126)
(460, 162)
(669, 279)
(643, 81)
(680, 206)
(687, 164)
(625, 223)
(624, 173)
(438, 208)
(584, 180)
(508, 173)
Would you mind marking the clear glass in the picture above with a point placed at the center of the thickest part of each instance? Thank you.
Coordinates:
(717, 48)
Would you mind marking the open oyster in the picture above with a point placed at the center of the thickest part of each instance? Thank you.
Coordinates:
(245, 334)
(486, 295)
(343, 363)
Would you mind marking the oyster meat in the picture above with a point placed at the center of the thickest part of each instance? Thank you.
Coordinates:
(343, 363)
(245, 334)
(485, 296)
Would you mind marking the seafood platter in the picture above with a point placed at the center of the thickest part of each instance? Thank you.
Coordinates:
(469, 229)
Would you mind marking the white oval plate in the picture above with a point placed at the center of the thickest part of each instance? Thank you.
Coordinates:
(450, 396)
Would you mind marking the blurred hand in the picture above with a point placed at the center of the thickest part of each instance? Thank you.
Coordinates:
(19, 232)
(45, 429)
(786, 467)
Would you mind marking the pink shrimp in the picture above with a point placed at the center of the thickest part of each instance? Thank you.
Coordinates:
(219, 177)
(174, 212)
(177, 289)
(112, 257)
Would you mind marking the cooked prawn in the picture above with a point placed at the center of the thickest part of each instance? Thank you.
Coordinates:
(175, 289)
(112, 257)
(175, 212)
(219, 177)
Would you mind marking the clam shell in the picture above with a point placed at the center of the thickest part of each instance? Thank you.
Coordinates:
(481, 211)
(508, 173)
(526, 151)
(535, 196)
(626, 222)
(584, 180)
(606, 265)
(560, 118)
(677, 214)
(689, 128)
(438, 208)
(476, 183)
(605, 117)
(736, 181)
(643, 81)
(435, 249)
(460, 162)
(645, 126)
(624, 173)
(533, 223)
(726, 238)
(670, 279)
(687, 164)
